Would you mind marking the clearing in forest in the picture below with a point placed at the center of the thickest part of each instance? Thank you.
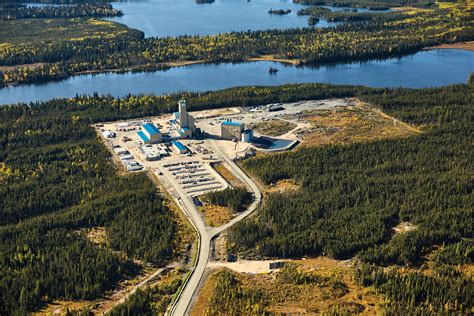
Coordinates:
(224, 171)
(273, 127)
(311, 286)
(216, 215)
(352, 124)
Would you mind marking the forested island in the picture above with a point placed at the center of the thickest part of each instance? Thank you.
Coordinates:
(315, 13)
(370, 4)
(279, 11)
(374, 36)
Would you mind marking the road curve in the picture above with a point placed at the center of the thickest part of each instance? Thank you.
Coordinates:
(189, 291)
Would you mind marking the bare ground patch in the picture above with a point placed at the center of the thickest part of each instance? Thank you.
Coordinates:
(282, 186)
(461, 45)
(215, 215)
(274, 127)
(352, 124)
(97, 235)
(404, 227)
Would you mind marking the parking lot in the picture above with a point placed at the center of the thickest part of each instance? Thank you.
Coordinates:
(194, 177)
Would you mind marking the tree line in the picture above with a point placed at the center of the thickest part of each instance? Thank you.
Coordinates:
(420, 294)
(22, 11)
(234, 198)
(381, 37)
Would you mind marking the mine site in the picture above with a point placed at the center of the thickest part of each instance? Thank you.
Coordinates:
(193, 155)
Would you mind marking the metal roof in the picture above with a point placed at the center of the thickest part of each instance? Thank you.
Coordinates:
(151, 129)
(232, 123)
(179, 145)
(143, 136)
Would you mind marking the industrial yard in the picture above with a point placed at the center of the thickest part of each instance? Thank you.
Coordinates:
(156, 143)
(176, 146)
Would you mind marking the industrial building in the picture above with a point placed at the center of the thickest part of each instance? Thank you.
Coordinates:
(150, 134)
(231, 130)
(184, 122)
(154, 152)
(179, 147)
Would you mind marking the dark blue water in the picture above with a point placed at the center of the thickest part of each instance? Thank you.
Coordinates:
(270, 143)
(425, 69)
(179, 17)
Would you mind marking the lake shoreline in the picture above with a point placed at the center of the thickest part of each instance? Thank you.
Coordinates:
(469, 46)
(139, 68)
(464, 46)
(414, 71)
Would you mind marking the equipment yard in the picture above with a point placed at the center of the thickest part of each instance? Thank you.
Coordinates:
(177, 136)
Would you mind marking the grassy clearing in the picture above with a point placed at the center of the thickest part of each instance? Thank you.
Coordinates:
(53, 31)
(282, 186)
(97, 235)
(205, 293)
(273, 127)
(312, 286)
(228, 175)
(360, 123)
(215, 215)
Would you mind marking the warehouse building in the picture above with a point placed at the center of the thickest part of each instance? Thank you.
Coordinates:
(232, 130)
(150, 134)
(179, 147)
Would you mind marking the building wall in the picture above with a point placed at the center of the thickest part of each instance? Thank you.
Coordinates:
(230, 132)
(156, 138)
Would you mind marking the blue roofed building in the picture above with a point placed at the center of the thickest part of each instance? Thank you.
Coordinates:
(179, 147)
(150, 134)
(232, 130)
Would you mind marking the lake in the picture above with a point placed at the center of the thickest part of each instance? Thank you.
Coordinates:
(162, 18)
(425, 69)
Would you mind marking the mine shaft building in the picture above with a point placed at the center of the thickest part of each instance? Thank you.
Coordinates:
(187, 128)
(231, 130)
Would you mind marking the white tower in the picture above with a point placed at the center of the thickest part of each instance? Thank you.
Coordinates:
(183, 114)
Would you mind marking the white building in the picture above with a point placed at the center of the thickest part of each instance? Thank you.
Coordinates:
(185, 121)
(231, 130)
